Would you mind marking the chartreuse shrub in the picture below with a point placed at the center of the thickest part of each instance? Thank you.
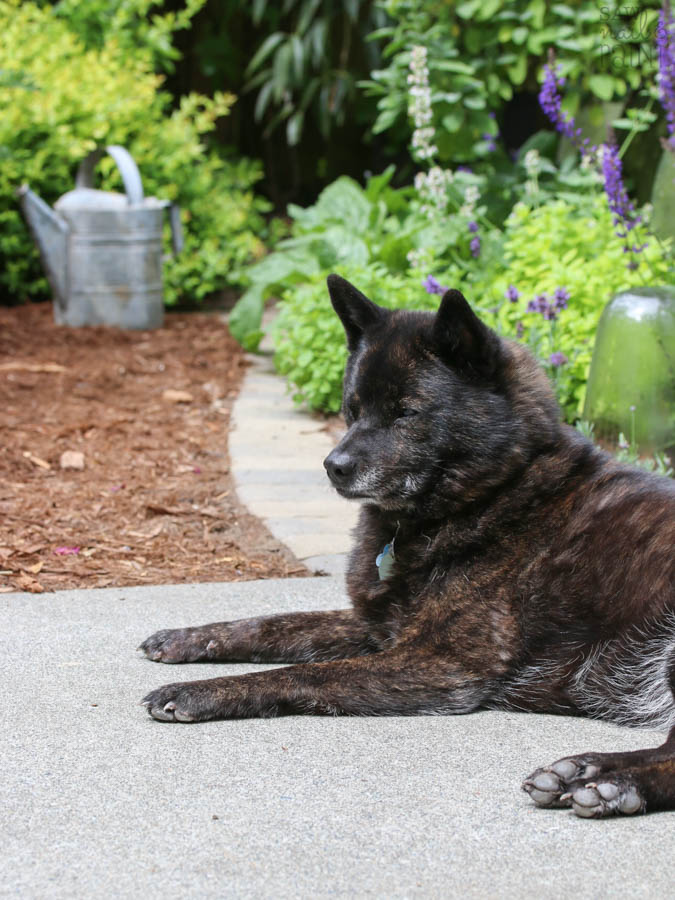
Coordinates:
(59, 100)
(570, 247)
(565, 246)
(309, 338)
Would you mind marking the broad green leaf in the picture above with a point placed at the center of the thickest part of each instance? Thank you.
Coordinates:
(294, 128)
(309, 9)
(345, 246)
(475, 102)
(451, 65)
(344, 201)
(468, 9)
(263, 98)
(453, 121)
(245, 318)
(281, 70)
(602, 86)
(270, 43)
(258, 11)
(518, 71)
(298, 52)
(377, 183)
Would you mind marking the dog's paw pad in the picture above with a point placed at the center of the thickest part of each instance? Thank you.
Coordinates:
(550, 786)
(544, 787)
(607, 798)
(572, 769)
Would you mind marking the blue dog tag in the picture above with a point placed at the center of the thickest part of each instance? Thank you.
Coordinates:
(385, 561)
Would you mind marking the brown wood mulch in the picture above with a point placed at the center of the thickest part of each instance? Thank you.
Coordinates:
(113, 457)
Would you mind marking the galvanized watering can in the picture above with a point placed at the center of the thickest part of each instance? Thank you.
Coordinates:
(102, 251)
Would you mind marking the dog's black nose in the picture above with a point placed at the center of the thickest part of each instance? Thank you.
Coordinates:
(340, 467)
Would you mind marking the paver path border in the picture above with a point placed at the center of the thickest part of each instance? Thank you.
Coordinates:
(276, 458)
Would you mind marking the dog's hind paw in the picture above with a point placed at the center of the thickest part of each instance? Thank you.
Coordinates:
(549, 786)
(614, 795)
(576, 783)
(545, 788)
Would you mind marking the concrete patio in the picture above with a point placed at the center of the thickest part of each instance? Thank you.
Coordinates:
(102, 801)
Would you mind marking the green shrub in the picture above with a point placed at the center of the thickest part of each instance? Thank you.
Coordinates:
(309, 340)
(347, 225)
(484, 52)
(59, 100)
(568, 244)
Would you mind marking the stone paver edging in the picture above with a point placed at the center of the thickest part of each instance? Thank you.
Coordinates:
(276, 457)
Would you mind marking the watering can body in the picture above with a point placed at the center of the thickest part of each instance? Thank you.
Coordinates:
(102, 251)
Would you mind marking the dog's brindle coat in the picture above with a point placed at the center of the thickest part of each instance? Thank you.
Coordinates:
(531, 572)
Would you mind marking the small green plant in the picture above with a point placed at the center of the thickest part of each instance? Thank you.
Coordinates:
(348, 225)
(309, 339)
(628, 452)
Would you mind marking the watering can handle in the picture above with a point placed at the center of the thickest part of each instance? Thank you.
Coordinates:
(127, 168)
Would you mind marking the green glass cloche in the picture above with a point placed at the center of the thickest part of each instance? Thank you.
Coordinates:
(631, 386)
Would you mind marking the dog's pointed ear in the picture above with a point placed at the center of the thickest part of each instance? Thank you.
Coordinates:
(355, 310)
(462, 339)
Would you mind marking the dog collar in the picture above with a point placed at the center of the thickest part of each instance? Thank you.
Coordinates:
(385, 560)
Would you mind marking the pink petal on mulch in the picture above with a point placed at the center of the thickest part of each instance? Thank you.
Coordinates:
(66, 551)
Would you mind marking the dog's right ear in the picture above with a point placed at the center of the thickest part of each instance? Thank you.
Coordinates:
(355, 310)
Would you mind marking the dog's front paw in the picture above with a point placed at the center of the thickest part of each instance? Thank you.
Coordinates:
(189, 701)
(614, 795)
(178, 645)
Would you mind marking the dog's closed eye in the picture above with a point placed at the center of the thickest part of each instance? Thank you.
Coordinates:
(406, 413)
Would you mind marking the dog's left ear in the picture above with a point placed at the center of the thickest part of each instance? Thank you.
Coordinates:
(463, 340)
(355, 310)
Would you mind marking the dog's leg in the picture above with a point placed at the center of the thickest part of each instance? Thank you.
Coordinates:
(604, 784)
(294, 637)
(394, 682)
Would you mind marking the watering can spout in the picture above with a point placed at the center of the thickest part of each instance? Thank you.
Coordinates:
(50, 232)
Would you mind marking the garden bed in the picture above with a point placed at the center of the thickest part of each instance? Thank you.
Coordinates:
(113, 457)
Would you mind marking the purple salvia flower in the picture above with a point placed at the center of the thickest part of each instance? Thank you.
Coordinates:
(490, 141)
(473, 227)
(623, 211)
(474, 246)
(665, 45)
(432, 286)
(512, 294)
(539, 304)
(557, 358)
(551, 102)
(466, 169)
(519, 329)
(561, 297)
(542, 305)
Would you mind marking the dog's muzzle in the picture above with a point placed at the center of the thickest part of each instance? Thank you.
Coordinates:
(341, 467)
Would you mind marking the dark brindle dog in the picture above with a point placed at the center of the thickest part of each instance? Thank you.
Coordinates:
(502, 561)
